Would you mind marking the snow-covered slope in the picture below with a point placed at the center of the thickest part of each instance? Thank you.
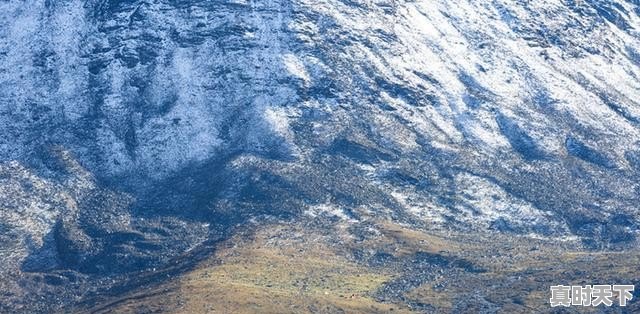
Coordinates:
(501, 116)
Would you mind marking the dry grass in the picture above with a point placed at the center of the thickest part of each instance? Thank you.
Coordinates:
(295, 269)
(277, 270)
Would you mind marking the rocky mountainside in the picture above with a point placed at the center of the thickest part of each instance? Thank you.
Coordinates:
(135, 134)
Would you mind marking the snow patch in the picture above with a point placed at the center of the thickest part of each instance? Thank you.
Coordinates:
(295, 67)
(328, 210)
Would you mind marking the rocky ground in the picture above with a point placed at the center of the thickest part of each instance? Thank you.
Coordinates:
(374, 267)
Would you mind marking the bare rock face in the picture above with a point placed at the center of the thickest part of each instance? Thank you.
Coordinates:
(58, 236)
(143, 89)
(30, 207)
(133, 131)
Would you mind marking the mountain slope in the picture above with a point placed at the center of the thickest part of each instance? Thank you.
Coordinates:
(166, 126)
